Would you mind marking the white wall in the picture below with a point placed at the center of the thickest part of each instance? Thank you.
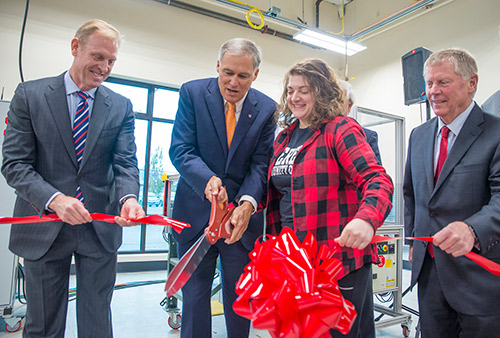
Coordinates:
(162, 43)
(171, 45)
(468, 24)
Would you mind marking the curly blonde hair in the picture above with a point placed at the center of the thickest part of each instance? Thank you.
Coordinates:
(328, 96)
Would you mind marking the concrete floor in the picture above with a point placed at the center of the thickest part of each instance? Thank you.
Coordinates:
(137, 312)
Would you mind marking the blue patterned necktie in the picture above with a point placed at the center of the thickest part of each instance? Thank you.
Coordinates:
(80, 127)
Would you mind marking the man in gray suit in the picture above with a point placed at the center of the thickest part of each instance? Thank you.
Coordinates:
(452, 192)
(40, 161)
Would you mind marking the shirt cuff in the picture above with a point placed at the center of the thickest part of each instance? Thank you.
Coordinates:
(126, 197)
(249, 199)
(476, 240)
(50, 200)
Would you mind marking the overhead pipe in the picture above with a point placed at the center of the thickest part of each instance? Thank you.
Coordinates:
(391, 18)
(318, 2)
(269, 13)
(432, 7)
(226, 18)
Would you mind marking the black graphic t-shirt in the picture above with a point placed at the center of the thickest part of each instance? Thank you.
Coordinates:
(281, 175)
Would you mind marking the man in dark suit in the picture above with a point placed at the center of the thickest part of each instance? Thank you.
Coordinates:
(371, 135)
(53, 170)
(492, 104)
(208, 160)
(452, 192)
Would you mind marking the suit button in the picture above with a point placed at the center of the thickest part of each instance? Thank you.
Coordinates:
(432, 214)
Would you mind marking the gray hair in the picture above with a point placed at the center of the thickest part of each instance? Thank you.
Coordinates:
(241, 46)
(347, 88)
(462, 60)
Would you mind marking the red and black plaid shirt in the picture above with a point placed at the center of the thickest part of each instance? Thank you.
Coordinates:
(332, 166)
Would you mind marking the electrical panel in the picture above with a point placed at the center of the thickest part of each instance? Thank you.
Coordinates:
(385, 273)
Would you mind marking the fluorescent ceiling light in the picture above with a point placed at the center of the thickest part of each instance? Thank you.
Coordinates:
(329, 41)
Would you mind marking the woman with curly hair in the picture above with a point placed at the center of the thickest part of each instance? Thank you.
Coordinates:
(320, 161)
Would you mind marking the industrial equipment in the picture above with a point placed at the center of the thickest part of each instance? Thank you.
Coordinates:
(388, 278)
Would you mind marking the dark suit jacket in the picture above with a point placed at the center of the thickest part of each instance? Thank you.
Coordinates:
(468, 189)
(199, 151)
(372, 139)
(39, 159)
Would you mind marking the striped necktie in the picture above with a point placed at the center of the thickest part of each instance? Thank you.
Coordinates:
(80, 127)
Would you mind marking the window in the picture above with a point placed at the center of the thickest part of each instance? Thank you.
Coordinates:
(155, 107)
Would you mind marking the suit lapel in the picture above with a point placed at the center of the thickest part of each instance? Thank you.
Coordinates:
(428, 143)
(100, 113)
(58, 107)
(468, 134)
(248, 114)
(215, 105)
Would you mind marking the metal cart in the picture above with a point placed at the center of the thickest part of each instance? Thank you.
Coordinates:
(169, 304)
(387, 280)
(8, 266)
(8, 261)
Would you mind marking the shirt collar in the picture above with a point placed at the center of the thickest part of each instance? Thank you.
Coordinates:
(456, 125)
(72, 88)
(239, 104)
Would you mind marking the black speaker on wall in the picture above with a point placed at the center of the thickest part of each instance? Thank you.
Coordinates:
(413, 77)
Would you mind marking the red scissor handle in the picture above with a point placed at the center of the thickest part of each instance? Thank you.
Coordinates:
(219, 216)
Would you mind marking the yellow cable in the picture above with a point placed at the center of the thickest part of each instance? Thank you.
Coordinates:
(342, 20)
(252, 9)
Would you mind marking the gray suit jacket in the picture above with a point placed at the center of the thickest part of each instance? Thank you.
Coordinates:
(468, 189)
(39, 159)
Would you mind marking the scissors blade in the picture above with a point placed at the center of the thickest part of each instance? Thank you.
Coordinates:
(181, 273)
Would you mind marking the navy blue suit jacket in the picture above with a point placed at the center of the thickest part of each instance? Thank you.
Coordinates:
(199, 151)
(372, 139)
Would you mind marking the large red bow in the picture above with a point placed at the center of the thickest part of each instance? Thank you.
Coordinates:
(291, 289)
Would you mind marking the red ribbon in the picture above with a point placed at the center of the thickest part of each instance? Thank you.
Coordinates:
(485, 263)
(151, 219)
(291, 289)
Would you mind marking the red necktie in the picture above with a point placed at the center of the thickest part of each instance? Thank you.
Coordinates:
(443, 153)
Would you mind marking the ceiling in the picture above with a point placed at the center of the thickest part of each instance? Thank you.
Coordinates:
(360, 19)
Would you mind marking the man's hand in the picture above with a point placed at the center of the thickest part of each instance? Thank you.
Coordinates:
(70, 210)
(214, 187)
(410, 254)
(456, 239)
(238, 223)
(130, 209)
(357, 234)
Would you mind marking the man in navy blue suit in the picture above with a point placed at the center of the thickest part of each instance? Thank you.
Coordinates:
(208, 160)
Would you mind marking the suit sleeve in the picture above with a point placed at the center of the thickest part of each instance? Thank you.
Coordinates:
(124, 156)
(254, 183)
(184, 152)
(486, 222)
(19, 154)
(373, 142)
(409, 197)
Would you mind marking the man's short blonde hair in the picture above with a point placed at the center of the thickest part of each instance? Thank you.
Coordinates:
(97, 25)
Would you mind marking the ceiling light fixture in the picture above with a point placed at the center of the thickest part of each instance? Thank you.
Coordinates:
(329, 41)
